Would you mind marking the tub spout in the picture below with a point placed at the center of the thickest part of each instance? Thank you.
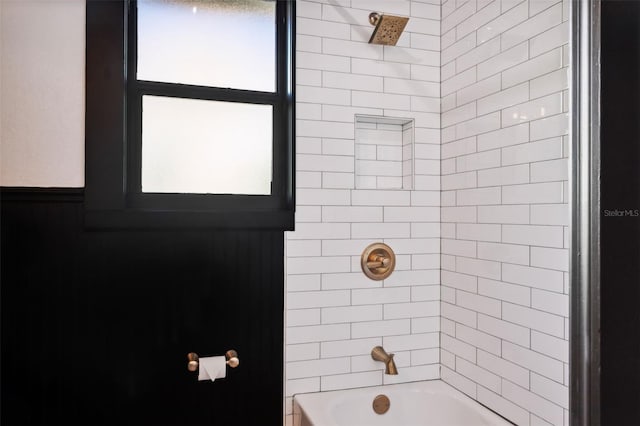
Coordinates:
(379, 354)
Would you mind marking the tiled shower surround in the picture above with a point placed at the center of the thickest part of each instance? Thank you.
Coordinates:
(485, 85)
(335, 315)
(504, 214)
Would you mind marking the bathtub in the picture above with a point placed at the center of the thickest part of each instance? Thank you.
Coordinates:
(429, 403)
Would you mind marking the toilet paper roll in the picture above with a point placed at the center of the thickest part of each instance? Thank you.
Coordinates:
(212, 368)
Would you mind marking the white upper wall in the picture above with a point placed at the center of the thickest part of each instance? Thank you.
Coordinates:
(42, 85)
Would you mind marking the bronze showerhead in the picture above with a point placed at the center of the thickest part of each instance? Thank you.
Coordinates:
(388, 28)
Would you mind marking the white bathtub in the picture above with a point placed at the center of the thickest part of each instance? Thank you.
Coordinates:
(429, 403)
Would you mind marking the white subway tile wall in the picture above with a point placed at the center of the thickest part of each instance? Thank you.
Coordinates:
(358, 183)
(504, 208)
(475, 206)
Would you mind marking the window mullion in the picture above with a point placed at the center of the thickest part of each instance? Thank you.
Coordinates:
(205, 93)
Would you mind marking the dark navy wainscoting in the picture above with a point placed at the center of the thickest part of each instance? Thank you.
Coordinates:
(96, 325)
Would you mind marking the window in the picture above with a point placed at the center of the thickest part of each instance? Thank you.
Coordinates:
(190, 112)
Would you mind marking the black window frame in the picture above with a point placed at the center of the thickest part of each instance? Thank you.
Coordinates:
(113, 196)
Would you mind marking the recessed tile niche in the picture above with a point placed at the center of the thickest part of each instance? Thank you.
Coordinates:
(384, 152)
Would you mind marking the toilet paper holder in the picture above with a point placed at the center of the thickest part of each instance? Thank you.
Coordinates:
(194, 360)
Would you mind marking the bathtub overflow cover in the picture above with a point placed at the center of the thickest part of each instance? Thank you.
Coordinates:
(381, 404)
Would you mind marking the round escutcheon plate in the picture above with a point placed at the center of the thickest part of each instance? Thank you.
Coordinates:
(378, 261)
(381, 404)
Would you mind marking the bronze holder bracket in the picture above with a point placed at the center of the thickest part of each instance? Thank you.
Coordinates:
(193, 359)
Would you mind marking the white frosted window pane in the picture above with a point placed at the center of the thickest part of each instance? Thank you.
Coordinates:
(219, 43)
(206, 147)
